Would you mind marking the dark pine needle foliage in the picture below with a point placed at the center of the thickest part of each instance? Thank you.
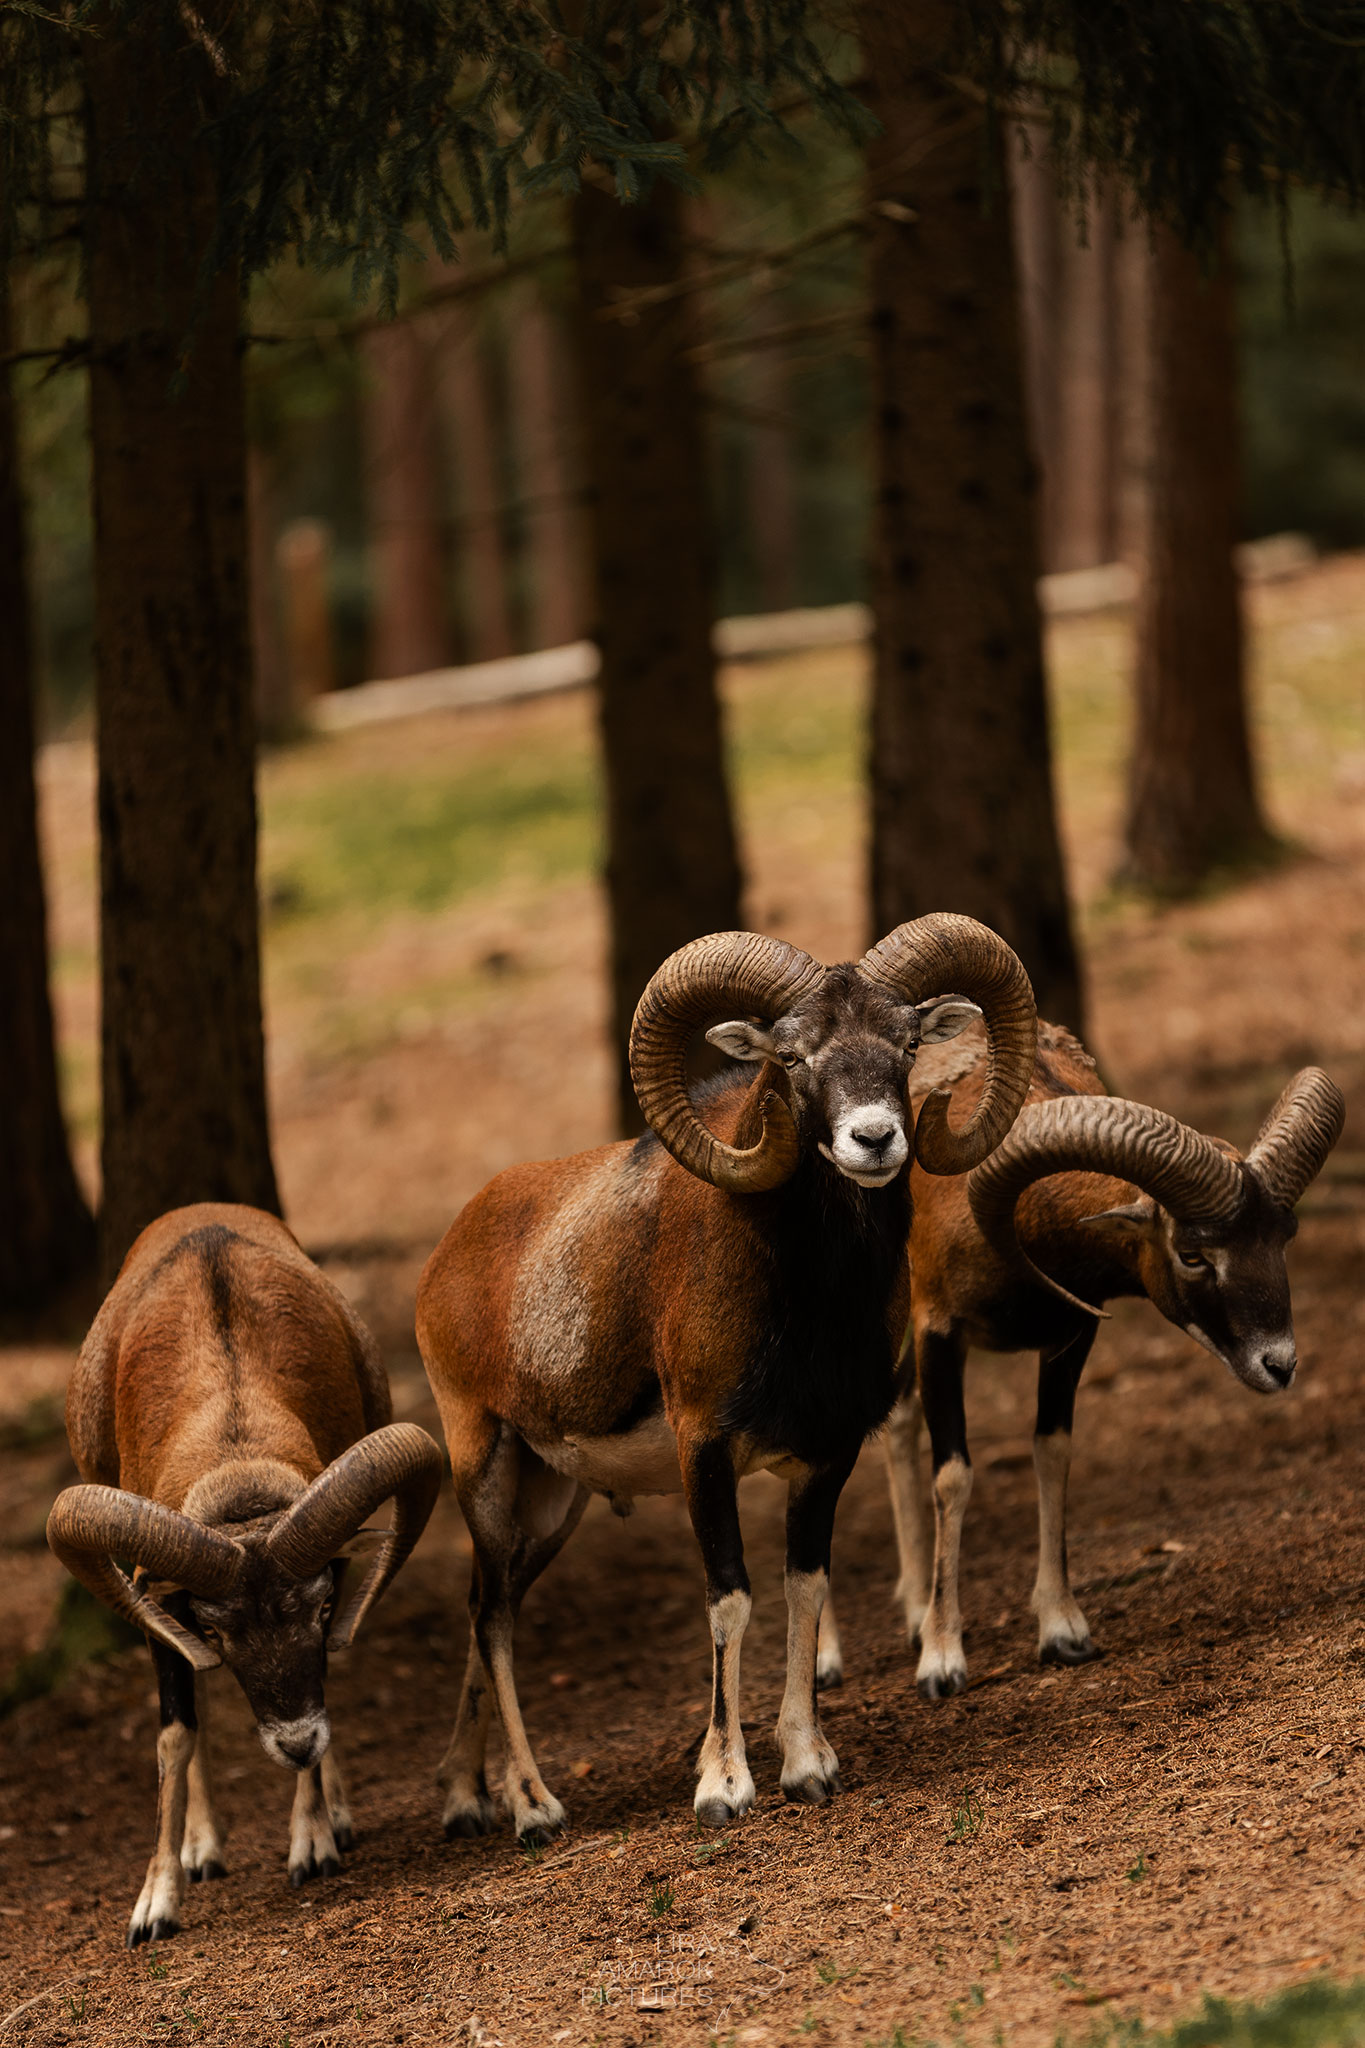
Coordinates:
(348, 121)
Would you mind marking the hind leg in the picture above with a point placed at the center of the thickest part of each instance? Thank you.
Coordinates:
(519, 1514)
(1063, 1631)
(470, 1808)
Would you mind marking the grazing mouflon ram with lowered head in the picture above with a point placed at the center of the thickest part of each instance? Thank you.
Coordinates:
(230, 1414)
(720, 1296)
(1090, 1197)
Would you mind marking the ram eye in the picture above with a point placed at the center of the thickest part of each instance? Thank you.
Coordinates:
(1192, 1261)
(791, 1059)
(209, 1633)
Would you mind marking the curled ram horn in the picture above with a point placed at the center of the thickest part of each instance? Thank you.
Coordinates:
(400, 1463)
(947, 954)
(714, 977)
(90, 1526)
(1295, 1139)
(1189, 1174)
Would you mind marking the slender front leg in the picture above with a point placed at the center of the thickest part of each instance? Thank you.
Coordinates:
(1063, 1631)
(156, 1916)
(725, 1789)
(905, 1477)
(338, 1805)
(810, 1769)
(201, 1852)
(312, 1842)
(942, 1665)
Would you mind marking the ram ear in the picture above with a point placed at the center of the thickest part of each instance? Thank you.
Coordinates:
(1138, 1217)
(741, 1041)
(944, 1017)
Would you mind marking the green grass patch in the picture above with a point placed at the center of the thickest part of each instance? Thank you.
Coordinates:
(1319, 2014)
(385, 841)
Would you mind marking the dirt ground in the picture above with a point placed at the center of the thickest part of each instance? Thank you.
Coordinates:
(1049, 1850)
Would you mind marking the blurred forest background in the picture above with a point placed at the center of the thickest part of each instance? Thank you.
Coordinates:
(432, 470)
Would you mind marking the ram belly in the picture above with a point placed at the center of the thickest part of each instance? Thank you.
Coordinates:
(639, 1460)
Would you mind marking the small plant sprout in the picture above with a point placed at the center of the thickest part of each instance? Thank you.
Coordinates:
(977, 1996)
(77, 2012)
(809, 2023)
(1138, 1870)
(967, 1815)
(156, 1968)
(600, 1994)
(532, 1850)
(661, 1897)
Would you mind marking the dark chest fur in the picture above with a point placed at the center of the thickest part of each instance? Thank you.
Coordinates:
(820, 1373)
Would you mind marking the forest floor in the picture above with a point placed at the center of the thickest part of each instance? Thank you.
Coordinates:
(1049, 1854)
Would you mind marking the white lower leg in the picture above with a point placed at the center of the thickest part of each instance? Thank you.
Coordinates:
(312, 1844)
(810, 1769)
(535, 1810)
(469, 1807)
(338, 1805)
(201, 1851)
(829, 1656)
(157, 1912)
(905, 1476)
(942, 1665)
(1063, 1631)
(725, 1790)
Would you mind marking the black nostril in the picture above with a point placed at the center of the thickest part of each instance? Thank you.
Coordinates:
(1281, 1374)
(874, 1140)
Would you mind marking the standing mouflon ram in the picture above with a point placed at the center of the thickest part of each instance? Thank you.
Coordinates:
(705, 1302)
(1089, 1197)
(231, 1414)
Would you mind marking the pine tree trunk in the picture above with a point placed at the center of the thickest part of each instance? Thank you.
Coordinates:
(672, 868)
(962, 800)
(552, 509)
(465, 402)
(1192, 802)
(410, 626)
(182, 1063)
(46, 1231)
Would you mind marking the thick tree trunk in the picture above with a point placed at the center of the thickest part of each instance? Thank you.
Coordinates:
(465, 402)
(672, 866)
(410, 623)
(962, 799)
(1192, 802)
(46, 1231)
(182, 1055)
(552, 515)
(772, 470)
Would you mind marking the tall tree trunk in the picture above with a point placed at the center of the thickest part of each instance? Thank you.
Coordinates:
(410, 623)
(962, 803)
(46, 1231)
(1087, 447)
(1192, 802)
(1038, 231)
(182, 1064)
(552, 508)
(772, 470)
(672, 869)
(480, 549)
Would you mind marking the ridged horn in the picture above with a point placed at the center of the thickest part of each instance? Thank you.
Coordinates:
(945, 954)
(1296, 1137)
(718, 977)
(1179, 1167)
(400, 1463)
(90, 1526)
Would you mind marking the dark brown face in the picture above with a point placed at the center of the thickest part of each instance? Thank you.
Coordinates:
(273, 1638)
(1228, 1287)
(847, 1052)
